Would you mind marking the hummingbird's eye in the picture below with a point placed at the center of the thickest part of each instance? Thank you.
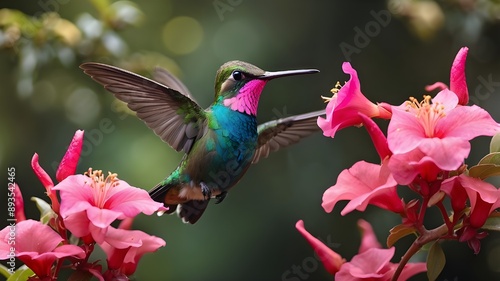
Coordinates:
(237, 75)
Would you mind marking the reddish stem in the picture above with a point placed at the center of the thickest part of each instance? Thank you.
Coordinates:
(421, 215)
(446, 219)
(424, 238)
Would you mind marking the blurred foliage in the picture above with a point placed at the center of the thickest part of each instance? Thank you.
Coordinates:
(45, 98)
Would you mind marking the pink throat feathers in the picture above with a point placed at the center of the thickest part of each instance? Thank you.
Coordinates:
(247, 100)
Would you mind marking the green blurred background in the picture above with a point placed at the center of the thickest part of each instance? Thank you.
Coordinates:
(45, 98)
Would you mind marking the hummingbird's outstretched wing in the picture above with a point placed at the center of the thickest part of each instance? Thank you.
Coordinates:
(283, 132)
(168, 79)
(173, 116)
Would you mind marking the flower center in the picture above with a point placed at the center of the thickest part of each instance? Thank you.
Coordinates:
(101, 185)
(426, 112)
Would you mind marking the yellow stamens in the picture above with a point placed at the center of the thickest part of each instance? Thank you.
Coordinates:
(100, 185)
(334, 90)
(427, 112)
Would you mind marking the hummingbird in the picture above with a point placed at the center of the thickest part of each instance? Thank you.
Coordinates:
(220, 142)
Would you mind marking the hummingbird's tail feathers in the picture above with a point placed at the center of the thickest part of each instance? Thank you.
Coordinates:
(189, 211)
(192, 210)
(158, 192)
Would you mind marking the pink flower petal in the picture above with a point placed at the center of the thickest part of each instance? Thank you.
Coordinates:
(369, 264)
(89, 207)
(78, 224)
(69, 162)
(38, 254)
(457, 194)
(447, 153)
(76, 194)
(41, 174)
(437, 85)
(406, 130)
(447, 100)
(467, 122)
(41, 265)
(405, 167)
(102, 218)
(410, 269)
(124, 248)
(342, 110)
(19, 204)
(132, 201)
(368, 240)
(405, 133)
(122, 238)
(98, 233)
(69, 250)
(458, 83)
(378, 138)
(47, 240)
(484, 199)
(46, 182)
(364, 183)
(473, 187)
(331, 260)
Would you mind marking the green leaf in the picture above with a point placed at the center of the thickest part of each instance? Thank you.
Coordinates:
(491, 158)
(21, 274)
(398, 232)
(5, 271)
(492, 223)
(483, 171)
(487, 167)
(435, 261)
(495, 143)
(46, 212)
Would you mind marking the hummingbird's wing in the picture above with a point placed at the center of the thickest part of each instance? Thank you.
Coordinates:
(173, 116)
(168, 79)
(280, 133)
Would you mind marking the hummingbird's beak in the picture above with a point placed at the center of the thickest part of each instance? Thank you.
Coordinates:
(268, 75)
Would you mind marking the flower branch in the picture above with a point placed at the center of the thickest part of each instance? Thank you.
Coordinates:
(424, 149)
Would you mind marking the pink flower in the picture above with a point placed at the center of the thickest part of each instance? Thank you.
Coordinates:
(437, 130)
(89, 204)
(405, 167)
(378, 138)
(484, 198)
(368, 238)
(46, 182)
(375, 264)
(37, 253)
(458, 83)
(69, 162)
(66, 167)
(124, 248)
(343, 108)
(371, 263)
(364, 183)
(18, 203)
(331, 260)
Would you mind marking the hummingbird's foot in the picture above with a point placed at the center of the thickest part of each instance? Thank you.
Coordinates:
(205, 190)
(220, 197)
